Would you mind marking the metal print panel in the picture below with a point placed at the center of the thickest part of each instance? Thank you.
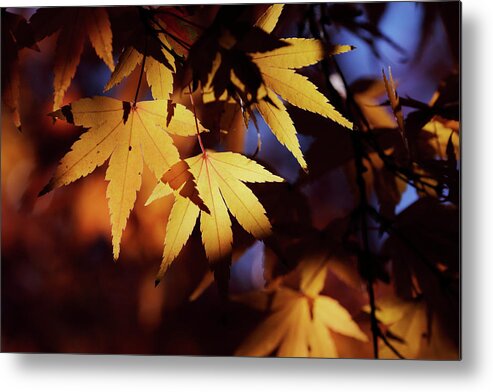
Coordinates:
(249, 180)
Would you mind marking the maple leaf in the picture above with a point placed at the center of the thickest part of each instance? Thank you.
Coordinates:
(158, 75)
(221, 58)
(180, 31)
(408, 325)
(387, 187)
(424, 260)
(166, 38)
(299, 321)
(278, 72)
(435, 138)
(74, 25)
(380, 181)
(127, 135)
(178, 179)
(412, 334)
(219, 178)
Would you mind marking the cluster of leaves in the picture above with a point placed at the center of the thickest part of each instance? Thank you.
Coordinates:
(236, 66)
(129, 133)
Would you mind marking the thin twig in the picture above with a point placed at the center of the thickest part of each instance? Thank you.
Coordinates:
(390, 345)
(366, 260)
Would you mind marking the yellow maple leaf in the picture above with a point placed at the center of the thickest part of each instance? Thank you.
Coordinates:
(435, 135)
(127, 135)
(74, 25)
(412, 333)
(277, 68)
(158, 75)
(220, 178)
(300, 322)
(298, 326)
(268, 20)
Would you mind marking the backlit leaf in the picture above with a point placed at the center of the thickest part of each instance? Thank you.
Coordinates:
(159, 76)
(268, 20)
(74, 25)
(277, 118)
(277, 69)
(299, 91)
(128, 135)
(298, 53)
(220, 178)
(299, 326)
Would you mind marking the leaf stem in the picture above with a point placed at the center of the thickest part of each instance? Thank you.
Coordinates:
(196, 121)
(141, 73)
